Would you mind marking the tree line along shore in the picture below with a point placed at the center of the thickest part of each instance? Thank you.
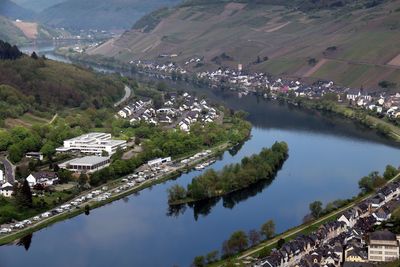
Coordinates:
(233, 177)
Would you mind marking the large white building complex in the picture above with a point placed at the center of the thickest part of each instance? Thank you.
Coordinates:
(92, 143)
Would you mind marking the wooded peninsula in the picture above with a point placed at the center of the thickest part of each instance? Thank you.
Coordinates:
(233, 177)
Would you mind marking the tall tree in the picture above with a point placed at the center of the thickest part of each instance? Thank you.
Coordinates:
(268, 229)
(199, 261)
(390, 172)
(316, 209)
(254, 237)
(23, 195)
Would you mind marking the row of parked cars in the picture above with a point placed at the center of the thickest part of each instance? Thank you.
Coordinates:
(103, 193)
(61, 209)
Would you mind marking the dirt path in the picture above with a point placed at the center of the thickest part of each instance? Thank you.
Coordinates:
(53, 119)
(395, 61)
(314, 69)
(277, 27)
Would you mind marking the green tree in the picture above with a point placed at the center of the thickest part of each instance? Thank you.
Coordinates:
(212, 256)
(268, 229)
(48, 149)
(199, 261)
(390, 172)
(64, 176)
(23, 195)
(83, 178)
(236, 243)
(15, 153)
(254, 237)
(5, 140)
(316, 209)
(176, 193)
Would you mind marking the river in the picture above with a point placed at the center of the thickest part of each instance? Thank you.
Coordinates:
(327, 157)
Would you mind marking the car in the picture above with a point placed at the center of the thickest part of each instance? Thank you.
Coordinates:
(19, 225)
(5, 230)
(45, 215)
(27, 222)
(36, 218)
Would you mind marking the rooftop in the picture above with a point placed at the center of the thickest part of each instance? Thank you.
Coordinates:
(89, 160)
(382, 235)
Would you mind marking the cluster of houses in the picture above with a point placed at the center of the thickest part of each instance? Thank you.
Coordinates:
(347, 241)
(177, 111)
(378, 101)
(41, 180)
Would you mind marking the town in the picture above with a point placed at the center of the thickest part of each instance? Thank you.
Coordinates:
(375, 100)
(347, 241)
(179, 111)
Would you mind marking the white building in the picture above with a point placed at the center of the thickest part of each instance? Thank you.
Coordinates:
(31, 180)
(6, 190)
(86, 164)
(93, 143)
(383, 246)
(158, 162)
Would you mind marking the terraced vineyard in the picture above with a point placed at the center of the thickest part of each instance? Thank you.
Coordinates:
(355, 44)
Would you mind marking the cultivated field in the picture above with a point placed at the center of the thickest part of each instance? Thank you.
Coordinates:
(30, 29)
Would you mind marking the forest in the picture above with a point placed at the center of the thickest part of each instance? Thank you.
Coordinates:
(233, 177)
(38, 85)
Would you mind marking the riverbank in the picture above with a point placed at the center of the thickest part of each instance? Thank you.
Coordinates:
(215, 151)
(290, 234)
(380, 125)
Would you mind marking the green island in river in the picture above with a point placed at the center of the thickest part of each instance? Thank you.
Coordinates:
(233, 177)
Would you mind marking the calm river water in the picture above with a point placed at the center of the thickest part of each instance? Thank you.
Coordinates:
(326, 159)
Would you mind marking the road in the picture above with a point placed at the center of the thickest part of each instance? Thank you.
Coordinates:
(128, 92)
(9, 170)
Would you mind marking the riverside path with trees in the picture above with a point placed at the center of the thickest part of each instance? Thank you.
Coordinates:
(233, 177)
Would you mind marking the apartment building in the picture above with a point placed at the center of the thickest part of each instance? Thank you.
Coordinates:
(383, 246)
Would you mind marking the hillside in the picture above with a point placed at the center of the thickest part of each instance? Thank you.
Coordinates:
(45, 86)
(355, 43)
(12, 10)
(11, 33)
(99, 14)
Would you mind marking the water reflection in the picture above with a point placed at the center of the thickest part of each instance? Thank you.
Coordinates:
(25, 241)
(229, 201)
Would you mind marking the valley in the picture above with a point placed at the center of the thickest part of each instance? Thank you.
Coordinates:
(260, 133)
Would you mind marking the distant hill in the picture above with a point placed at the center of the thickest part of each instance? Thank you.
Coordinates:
(10, 33)
(355, 43)
(99, 14)
(37, 5)
(12, 10)
(22, 32)
(49, 87)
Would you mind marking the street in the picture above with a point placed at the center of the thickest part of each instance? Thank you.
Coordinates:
(8, 171)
